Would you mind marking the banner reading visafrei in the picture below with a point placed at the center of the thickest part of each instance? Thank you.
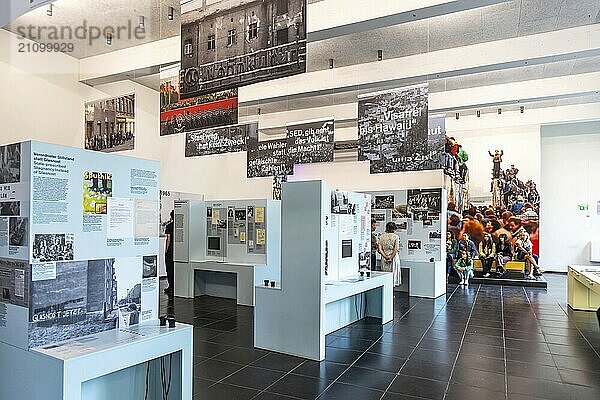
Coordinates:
(393, 131)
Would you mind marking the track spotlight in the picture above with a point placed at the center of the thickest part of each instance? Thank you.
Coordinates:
(109, 38)
(171, 14)
(142, 22)
(478, 113)
(330, 63)
(499, 111)
(522, 109)
(457, 115)
(49, 10)
(258, 111)
(379, 55)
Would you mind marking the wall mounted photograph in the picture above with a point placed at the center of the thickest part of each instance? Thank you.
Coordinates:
(79, 299)
(110, 124)
(184, 115)
(393, 131)
(8, 208)
(10, 163)
(53, 247)
(228, 44)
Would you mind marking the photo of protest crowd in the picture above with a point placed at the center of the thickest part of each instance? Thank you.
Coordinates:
(504, 230)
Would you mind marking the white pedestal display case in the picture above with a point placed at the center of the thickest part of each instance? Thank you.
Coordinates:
(226, 248)
(325, 243)
(583, 291)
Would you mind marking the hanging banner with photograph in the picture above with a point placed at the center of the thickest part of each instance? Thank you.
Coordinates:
(267, 158)
(393, 131)
(225, 45)
(310, 142)
(229, 139)
(110, 124)
(185, 115)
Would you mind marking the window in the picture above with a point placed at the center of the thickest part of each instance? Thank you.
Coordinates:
(211, 42)
(282, 7)
(282, 36)
(231, 37)
(188, 49)
(252, 31)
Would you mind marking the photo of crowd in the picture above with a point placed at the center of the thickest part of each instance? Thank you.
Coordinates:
(110, 124)
(506, 229)
(53, 247)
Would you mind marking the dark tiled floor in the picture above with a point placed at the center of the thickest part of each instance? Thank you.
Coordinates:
(479, 342)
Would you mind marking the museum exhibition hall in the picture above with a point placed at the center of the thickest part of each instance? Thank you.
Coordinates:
(300, 199)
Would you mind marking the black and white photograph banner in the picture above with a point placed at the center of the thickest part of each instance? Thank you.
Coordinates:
(393, 131)
(228, 139)
(227, 44)
(267, 158)
(110, 124)
(310, 142)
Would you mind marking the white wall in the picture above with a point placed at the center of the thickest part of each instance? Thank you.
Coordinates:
(570, 165)
(41, 96)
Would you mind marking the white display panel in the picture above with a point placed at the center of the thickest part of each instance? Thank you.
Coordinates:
(347, 233)
(70, 190)
(418, 214)
(88, 233)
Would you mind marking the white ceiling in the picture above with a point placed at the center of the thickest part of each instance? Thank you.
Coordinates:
(496, 22)
(104, 13)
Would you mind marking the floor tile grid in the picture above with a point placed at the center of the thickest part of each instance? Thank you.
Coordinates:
(527, 295)
(565, 308)
(462, 340)
(365, 351)
(504, 342)
(448, 297)
(236, 371)
(537, 320)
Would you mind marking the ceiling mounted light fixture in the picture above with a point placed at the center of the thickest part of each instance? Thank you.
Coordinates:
(142, 22)
(330, 63)
(499, 111)
(49, 10)
(109, 38)
(522, 109)
(379, 55)
(171, 14)
(478, 113)
(457, 115)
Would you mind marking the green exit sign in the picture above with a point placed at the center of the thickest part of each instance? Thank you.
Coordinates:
(583, 207)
